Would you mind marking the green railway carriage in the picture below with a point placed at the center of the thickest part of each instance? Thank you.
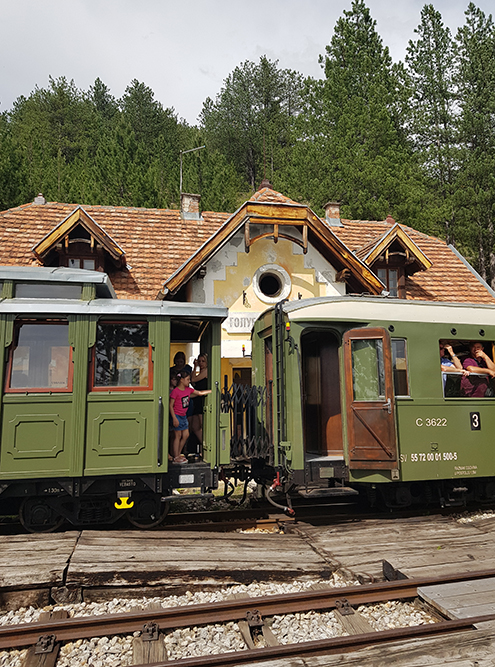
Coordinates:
(85, 399)
(359, 399)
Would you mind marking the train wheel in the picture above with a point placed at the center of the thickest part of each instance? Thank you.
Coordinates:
(148, 511)
(38, 517)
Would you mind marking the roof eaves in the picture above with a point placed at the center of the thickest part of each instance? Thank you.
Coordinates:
(191, 261)
(471, 269)
(367, 276)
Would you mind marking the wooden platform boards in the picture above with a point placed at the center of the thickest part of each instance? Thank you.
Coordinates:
(411, 547)
(463, 599)
(97, 565)
(173, 562)
(34, 564)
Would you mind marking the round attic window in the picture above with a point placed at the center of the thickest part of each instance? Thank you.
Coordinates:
(271, 283)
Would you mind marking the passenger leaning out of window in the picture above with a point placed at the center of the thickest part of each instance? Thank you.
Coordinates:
(451, 363)
(481, 368)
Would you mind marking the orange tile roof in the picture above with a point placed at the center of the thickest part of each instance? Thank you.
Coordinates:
(449, 279)
(157, 242)
(272, 196)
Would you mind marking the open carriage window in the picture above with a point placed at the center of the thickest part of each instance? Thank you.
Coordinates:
(40, 358)
(122, 356)
(468, 369)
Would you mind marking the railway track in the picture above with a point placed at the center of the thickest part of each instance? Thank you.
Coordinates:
(262, 517)
(250, 614)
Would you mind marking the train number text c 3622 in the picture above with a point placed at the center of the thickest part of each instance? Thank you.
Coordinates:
(433, 421)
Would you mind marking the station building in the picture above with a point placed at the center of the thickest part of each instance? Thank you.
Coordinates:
(271, 248)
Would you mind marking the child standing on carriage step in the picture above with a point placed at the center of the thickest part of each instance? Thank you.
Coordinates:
(179, 402)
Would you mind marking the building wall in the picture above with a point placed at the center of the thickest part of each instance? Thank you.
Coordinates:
(232, 280)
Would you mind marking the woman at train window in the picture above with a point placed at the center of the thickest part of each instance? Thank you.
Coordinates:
(451, 363)
(481, 368)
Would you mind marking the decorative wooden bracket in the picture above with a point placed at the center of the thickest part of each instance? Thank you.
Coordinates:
(275, 234)
(342, 276)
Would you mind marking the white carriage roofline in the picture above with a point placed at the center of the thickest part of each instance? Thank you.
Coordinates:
(113, 307)
(372, 308)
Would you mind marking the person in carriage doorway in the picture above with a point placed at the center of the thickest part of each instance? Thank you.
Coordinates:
(180, 363)
(179, 403)
(481, 368)
(199, 379)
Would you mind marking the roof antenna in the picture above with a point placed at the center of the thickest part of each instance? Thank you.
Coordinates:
(264, 155)
(181, 154)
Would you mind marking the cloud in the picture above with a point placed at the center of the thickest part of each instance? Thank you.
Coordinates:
(185, 50)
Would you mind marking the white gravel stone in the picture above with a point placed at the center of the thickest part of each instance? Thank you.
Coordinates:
(469, 517)
(196, 641)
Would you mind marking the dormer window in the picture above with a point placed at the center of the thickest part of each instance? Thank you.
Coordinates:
(80, 243)
(82, 263)
(393, 257)
(394, 281)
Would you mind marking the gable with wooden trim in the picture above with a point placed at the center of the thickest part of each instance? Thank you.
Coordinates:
(79, 242)
(262, 218)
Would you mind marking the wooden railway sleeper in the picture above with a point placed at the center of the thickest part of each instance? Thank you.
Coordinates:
(44, 653)
(255, 626)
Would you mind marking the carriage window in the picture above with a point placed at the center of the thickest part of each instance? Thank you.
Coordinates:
(399, 365)
(122, 356)
(47, 291)
(368, 372)
(476, 357)
(40, 358)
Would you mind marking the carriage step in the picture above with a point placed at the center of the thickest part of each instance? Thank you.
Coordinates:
(330, 492)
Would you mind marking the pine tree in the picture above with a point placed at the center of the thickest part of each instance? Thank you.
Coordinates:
(476, 182)
(9, 166)
(353, 147)
(249, 122)
(432, 121)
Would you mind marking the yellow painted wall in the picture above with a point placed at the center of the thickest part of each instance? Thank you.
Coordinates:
(229, 292)
(239, 297)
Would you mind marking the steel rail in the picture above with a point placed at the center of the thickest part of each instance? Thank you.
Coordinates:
(327, 646)
(83, 627)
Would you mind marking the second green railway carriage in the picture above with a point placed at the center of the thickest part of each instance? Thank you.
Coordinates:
(359, 399)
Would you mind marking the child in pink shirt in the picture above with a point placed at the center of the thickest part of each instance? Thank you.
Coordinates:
(179, 402)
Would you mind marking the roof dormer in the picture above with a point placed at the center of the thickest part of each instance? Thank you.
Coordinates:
(78, 242)
(393, 257)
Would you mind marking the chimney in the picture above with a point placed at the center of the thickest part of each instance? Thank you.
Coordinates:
(265, 183)
(40, 199)
(332, 214)
(189, 206)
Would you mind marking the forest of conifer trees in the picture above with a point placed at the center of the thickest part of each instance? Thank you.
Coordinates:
(415, 139)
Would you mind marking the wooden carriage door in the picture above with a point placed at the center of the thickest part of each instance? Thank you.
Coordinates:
(370, 399)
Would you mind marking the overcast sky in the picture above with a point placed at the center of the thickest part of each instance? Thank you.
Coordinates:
(181, 49)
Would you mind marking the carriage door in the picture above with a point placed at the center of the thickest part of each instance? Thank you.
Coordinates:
(370, 399)
(321, 387)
